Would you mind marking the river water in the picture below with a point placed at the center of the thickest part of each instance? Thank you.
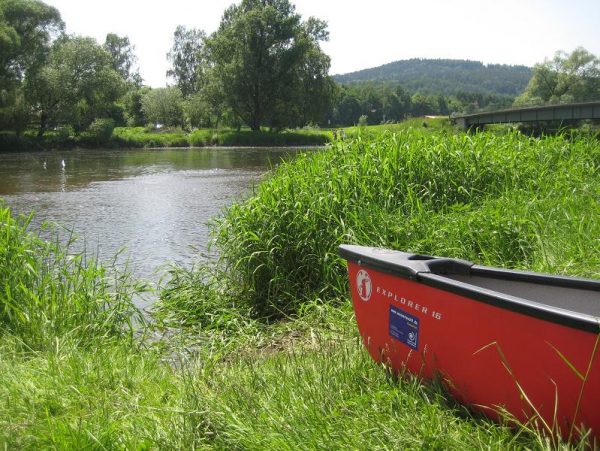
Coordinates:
(153, 205)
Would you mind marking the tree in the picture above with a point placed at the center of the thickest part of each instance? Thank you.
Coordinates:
(26, 29)
(197, 111)
(571, 77)
(266, 59)
(76, 86)
(14, 111)
(423, 105)
(187, 59)
(164, 106)
(348, 110)
(131, 103)
(123, 58)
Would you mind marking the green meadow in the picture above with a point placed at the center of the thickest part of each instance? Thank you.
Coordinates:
(259, 349)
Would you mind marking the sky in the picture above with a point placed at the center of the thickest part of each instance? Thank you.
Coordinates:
(364, 33)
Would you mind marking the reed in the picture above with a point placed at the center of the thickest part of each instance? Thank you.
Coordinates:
(50, 292)
(505, 200)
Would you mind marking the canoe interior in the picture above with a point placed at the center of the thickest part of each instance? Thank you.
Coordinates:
(570, 301)
(581, 300)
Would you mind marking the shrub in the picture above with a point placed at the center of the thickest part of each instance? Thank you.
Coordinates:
(99, 132)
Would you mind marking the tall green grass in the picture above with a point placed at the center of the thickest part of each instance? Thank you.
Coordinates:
(74, 375)
(505, 200)
(302, 385)
(497, 199)
(48, 291)
(140, 137)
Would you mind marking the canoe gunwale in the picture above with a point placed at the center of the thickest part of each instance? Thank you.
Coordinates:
(431, 271)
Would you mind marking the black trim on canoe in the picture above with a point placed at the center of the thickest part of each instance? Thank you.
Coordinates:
(524, 291)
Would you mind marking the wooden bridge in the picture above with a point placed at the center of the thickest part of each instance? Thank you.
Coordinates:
(548, 113)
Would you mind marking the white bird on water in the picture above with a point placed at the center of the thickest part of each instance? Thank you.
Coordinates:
(62, 163)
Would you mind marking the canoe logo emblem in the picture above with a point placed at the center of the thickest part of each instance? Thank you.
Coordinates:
(364, 285)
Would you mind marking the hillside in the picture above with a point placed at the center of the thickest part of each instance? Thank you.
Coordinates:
(444, 76)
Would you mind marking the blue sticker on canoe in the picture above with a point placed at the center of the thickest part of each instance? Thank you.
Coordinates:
(404, 327)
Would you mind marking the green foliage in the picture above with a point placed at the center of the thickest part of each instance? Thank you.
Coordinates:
(385, 102)
(99, 132)
(221, 396)
(325, 394)
(11, 142)
(77, 85)
(265, 59)
(123, 58)
(573, 77)
(109, 397)
(197, 111)
(26, 28)
(140, 137)
(163, 106)
(132, 107)
(447, 77)
(188, 60)
(49, 292)
(73, 376)
(286, 138)
(500, 200)
(14, 111)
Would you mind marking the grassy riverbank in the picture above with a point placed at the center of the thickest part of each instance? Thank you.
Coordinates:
(262, 350)
(141, 137)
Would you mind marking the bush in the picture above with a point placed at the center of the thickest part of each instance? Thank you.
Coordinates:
(10, 142)
(99, 132)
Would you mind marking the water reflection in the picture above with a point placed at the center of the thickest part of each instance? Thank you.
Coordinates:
(153, 203)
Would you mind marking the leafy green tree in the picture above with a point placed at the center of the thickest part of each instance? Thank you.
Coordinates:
(26, 29)
(187, 59)
(197, 111)
(372, 103)
(423, 105)
(164, 106)
(14, 111)
(265, 58)
(214, 94)
(76, 86)
(123, 59)
(348, 110)
(573, 77)
(131, 104)
(398, 104)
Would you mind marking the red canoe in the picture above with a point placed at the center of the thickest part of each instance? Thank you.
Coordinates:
(501, 341)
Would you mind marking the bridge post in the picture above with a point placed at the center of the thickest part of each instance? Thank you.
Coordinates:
(461, 122)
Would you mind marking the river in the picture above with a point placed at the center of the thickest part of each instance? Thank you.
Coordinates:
(153, 205)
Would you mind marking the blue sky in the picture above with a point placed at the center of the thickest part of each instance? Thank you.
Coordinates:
(363, 33)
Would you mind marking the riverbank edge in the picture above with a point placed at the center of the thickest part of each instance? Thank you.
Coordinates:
(310, 368)
(143, 138)
(127, 138)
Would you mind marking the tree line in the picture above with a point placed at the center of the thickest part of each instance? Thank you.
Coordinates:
(263, 67)
(446, 76)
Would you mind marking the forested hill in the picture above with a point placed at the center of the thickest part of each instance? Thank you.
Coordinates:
(448, 77)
